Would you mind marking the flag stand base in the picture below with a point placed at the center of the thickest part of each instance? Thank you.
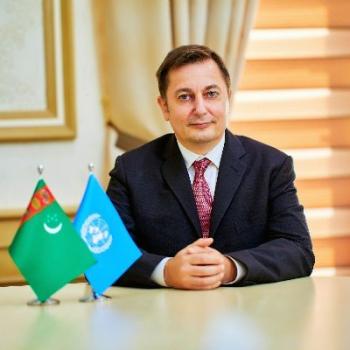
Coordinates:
(91, 296)
(37, 302)
(94, 297)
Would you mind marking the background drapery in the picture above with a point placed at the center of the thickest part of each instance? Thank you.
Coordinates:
(134, 36)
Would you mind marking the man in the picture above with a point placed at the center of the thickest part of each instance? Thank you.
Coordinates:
(208, 208)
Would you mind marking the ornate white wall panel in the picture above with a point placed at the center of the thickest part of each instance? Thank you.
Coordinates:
(36, 70)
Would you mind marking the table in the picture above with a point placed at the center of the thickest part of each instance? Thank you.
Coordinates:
(307, 313)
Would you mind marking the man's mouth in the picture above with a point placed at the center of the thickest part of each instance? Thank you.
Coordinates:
(201, 125)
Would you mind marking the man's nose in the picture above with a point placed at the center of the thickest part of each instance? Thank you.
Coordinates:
(199, 105)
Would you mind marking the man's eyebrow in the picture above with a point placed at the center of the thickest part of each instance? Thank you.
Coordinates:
(182, 90)
(213, 86)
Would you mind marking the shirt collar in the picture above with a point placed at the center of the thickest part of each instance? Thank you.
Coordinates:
(214, 155)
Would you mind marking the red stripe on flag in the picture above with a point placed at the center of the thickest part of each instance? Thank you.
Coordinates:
(40, 200)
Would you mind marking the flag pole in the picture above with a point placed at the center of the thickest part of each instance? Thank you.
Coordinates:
(90, 294)
(49, 301)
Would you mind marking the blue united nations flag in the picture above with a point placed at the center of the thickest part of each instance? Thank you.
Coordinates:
(103, 231)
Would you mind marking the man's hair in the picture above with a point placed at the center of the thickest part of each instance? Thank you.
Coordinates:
(184, 55)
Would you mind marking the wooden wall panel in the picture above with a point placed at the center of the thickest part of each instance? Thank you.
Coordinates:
(301, 73)
(292, 104)
(294, 95)
(297, 133)
(320, 162)
(332, 251)
(303, 13)
(329, 192)
(9, 273)
(302, 43)
(328, 222)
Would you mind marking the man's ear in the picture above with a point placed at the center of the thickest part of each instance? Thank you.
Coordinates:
(229, 100)
(164, 107)
(229, 94)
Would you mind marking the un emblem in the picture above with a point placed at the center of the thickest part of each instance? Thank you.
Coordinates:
(95, 232)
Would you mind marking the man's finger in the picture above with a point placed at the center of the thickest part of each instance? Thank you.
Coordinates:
(206, 270)
(205, 259)
(195, 249)
(209, 282)
(196, 246)
(203, 242)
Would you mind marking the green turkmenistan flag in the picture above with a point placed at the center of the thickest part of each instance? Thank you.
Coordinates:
(46, 249)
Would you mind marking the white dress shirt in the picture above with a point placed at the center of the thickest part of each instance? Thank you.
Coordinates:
(211, 175)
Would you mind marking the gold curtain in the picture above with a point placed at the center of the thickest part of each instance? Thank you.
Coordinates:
(133, 36)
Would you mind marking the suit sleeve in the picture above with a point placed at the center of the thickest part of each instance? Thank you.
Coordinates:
(139, 274)
(287, 252)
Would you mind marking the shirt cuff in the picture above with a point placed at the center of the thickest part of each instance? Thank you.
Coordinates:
(241, 271)
(158, 273)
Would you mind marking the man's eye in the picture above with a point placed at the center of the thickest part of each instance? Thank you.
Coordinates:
(184, 97)
(212, 93)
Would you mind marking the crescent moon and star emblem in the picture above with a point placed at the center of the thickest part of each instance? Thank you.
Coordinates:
(52, 225)
(52, 230)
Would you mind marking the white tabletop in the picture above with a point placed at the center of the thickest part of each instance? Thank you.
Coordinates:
(308, 313)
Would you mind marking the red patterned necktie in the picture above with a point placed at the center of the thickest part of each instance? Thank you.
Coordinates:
(202, 195)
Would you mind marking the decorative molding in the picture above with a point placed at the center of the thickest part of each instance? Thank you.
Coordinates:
(16, 213)
(56, 120)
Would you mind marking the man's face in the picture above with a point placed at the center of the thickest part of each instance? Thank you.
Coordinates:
(196, 105)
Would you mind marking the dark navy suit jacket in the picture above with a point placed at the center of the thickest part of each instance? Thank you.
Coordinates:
(256, 215)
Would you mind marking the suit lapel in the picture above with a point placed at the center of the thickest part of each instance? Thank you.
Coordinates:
(176, 176)
(231, 171)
